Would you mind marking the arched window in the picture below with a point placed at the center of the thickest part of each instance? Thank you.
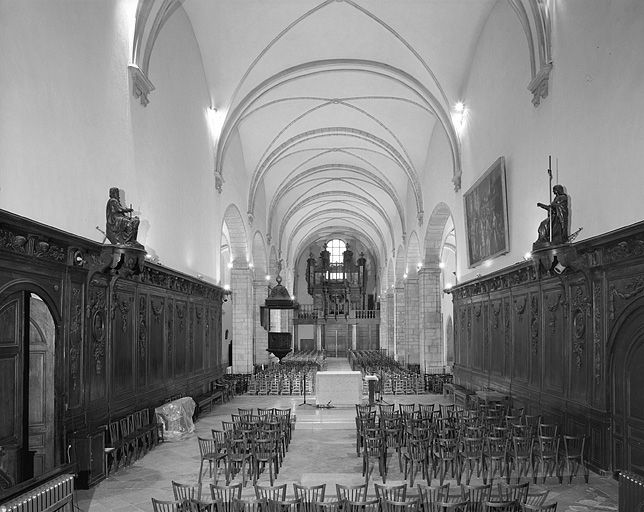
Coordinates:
(336, 248)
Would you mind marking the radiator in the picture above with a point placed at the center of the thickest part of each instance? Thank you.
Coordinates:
(48, 497)
(631, 492)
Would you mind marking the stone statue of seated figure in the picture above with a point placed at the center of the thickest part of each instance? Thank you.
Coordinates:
(121, 228)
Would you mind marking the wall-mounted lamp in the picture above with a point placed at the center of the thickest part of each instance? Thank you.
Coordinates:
(215, 123)
(458, 116)
(227, 292)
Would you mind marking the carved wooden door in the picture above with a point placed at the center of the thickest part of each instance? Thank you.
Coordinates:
(27, 334)
(42, 333)
(634, 409)
(12, 326)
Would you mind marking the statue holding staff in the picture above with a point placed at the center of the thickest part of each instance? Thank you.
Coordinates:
(554, 229)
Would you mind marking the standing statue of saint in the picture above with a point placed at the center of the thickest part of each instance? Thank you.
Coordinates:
(121, 228)
(557, 218)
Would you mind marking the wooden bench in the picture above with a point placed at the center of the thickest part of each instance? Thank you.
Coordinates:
(461, 396)
(207, 399)
(202, 402)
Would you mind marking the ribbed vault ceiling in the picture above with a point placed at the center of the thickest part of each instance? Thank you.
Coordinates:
(333, 104)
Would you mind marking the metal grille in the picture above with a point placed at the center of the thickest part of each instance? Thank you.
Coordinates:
(49, 497)
(631, 492)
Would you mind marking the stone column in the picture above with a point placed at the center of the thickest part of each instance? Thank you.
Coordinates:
(241, 283)
(296, 338)
(431, 317)
(318, 337)
(391, 330)
(412, 322)
(400, 341)
(260, 292)
(354, 337)
(384, 323)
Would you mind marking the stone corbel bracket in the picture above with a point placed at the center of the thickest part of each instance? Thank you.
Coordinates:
(119, 260)
(536, 19)
(151, 16)
(141, 85)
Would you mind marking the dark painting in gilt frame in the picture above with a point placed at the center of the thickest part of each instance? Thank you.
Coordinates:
(486, 216)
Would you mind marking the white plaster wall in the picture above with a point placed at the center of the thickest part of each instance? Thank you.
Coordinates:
(71, 128)
(173, 171)
(64, 107)
(588, 122)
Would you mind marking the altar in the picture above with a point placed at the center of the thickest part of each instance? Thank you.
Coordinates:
(338, 388)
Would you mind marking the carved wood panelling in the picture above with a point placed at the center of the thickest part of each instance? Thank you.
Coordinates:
(561, 336)
(180, 349)
(123, 342)
(142, 342)
(112, 330)
(497, 337)
(553, 348)
(76, 326)
(170, 338)
(199, 336)
(521, 338)
(477, 336)
(156, 342)
(597, 332)
(96, 321)
(622, 293)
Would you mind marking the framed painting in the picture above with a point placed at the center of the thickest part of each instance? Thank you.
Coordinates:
(486, 216)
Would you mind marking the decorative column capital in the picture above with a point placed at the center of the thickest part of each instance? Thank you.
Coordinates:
(539, 84)
(141, 85)
(219, 180)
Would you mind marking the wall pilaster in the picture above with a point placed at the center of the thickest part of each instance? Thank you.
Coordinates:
(412, 321)
(400, 318)
(384, 323)
(260, 293)
(241, 283)
(431, 317)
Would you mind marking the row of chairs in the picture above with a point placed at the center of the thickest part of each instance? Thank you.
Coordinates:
(437, 443)
(295, 375)
(249, 445)
(394, 378)
(354, 498)
(282, 383)
(131, 437)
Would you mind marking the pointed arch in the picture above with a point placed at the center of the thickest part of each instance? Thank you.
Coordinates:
(413, 255)
(400, 264)
(237, 238)
(260, 260)
(391, 273)
(434, 235)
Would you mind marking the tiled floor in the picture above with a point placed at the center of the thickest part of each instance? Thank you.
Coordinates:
(322, 451)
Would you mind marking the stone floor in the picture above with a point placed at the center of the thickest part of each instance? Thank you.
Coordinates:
(322, 451)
